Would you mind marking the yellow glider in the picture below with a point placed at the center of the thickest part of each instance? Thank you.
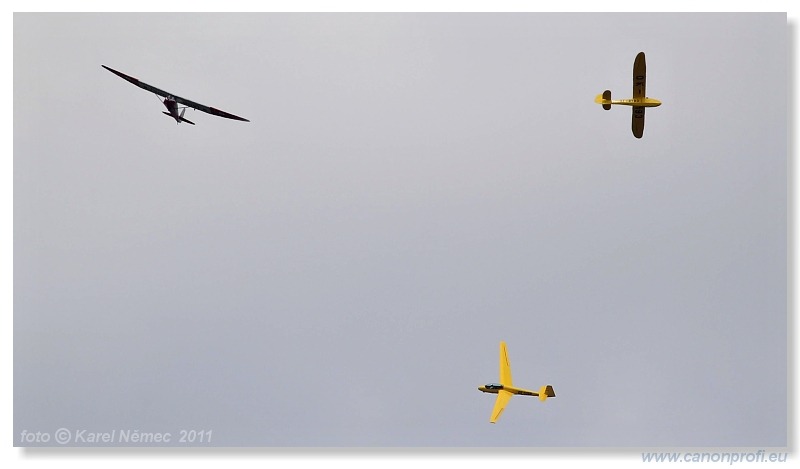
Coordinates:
(639, 100)
(505, 389)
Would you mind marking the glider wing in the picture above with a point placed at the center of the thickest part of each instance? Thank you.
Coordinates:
(639, 76)
(505, 366)
(637, 124)
(210, 110)
(138, 83)
(502, 399)
(184, 101)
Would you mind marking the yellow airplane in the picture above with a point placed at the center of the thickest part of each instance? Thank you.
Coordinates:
(505, 389)
(639, 101)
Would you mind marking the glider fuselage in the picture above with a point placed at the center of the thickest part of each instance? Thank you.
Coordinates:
(172, 107)
(171, 104)
(494, 388)
(637, 102)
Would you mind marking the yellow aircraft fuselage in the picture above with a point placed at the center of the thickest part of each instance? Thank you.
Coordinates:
(494, 388)
(638, 102)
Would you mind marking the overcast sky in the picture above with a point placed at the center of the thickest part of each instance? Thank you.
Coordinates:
(411, 189)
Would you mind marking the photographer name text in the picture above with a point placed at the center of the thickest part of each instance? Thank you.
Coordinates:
(66, 436)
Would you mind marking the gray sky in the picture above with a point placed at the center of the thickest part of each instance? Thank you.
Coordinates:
(411, 190)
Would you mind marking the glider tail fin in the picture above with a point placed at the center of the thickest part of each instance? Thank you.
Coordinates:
(604, 99)
(545, 392)
(185, 120)
(180, 117)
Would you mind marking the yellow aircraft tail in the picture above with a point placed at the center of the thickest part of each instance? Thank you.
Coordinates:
(604, 99)
(545, 392)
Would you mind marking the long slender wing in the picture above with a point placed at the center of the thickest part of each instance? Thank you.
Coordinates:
(138, 83)
(505, 366)
(210, 110)
(639, 76)
(637, 124)
(499, 404)
(184, 101)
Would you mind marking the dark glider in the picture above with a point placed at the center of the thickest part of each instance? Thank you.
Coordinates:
(171, 101)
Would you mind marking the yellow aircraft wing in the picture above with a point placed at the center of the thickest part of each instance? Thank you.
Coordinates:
(502, 399)
(637, 124)
(639, 76)
(505, 366)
